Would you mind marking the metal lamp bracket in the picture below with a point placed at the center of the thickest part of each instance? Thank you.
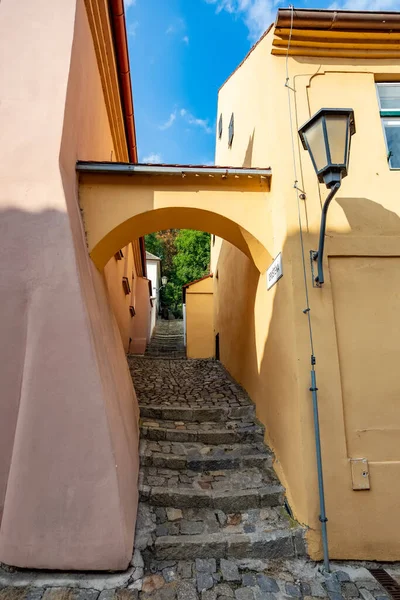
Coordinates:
(313, 258)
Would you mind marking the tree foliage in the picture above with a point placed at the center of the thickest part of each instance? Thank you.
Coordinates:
(192, 260)
(185, 256)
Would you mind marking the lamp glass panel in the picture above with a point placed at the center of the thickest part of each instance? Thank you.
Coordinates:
(336, 128)
(316, 143)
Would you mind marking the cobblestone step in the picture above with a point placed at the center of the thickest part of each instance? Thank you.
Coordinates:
(171, 533)
(270, 545)
(220, 480)
(200, 457)
(241, 500)
(207, 433)
(199, 414)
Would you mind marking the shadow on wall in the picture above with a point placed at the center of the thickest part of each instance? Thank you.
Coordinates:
(270, 325)
(60, 428)
(248, 157)
(368, 217)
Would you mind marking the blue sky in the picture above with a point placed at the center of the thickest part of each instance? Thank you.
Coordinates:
(181, 51)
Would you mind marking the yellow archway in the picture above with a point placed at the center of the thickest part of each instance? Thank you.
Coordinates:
(118, 207)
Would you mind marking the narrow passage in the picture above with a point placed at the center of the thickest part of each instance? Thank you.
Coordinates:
(211, 507)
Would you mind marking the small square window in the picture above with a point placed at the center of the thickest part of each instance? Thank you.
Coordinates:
(391, 128)
(389, 105)
(231, 130)
(126, 286)
(389, 96)
(220, 126)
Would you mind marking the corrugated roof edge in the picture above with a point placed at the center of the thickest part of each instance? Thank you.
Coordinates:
(254, 46)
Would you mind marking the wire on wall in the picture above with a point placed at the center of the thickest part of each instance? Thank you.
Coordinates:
(307, 312)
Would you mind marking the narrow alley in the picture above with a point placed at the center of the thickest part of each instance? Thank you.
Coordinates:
(212, 521)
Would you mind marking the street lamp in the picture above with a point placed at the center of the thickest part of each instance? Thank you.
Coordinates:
(327, 137)
(164, 281)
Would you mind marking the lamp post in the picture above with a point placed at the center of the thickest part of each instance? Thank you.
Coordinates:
(327, 137)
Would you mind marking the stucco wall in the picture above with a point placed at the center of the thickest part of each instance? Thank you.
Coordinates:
(270, 325)
(139, 297)
(68, 405)
(200, 338)
(141, 322)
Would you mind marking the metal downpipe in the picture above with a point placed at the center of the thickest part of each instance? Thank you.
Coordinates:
(322, 516)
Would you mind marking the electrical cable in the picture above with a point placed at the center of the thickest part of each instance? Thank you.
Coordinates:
(307, 311)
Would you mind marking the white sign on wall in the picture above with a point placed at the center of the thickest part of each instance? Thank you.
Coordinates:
(274, 272)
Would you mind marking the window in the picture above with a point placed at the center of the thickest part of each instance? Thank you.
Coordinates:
(126, 286)
(220, 126)
(231, 130)
(389, 105)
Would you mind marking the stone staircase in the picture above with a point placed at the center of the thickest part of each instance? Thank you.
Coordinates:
(167, 340)
(207, 486)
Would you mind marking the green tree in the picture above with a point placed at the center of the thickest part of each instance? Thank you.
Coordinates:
(154, 245)
(192, 260)
(185, 256)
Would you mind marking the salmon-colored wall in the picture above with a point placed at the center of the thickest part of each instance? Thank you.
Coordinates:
(134, 330)
(141, 322)
(68, 436)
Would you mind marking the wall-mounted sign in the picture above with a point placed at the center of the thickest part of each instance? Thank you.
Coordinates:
(274, 272)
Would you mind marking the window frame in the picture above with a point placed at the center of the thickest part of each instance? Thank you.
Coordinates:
(231, 130)
(220, 126)
(387, 114)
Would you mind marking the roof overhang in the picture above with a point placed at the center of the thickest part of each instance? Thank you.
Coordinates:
(337, 33)
(199, 175)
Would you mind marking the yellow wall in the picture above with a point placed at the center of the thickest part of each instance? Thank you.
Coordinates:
(200, 338)
(354, 316)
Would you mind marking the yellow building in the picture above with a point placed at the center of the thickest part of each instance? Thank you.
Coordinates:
(307, 61)
(198, 299)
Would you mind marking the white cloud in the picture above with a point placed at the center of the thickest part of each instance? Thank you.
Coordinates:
(153, 157)
(132, 28)
(192, 120)
(257, 14)
(186, 39)
(129, 3)
(169, 122)
(366, 5)
(178, 26)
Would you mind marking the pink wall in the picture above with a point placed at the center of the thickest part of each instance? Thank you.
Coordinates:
(141, 324)
(134, 330)
(68, 439)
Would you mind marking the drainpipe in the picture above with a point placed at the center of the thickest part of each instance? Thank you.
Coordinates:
(322, 514)
(121, 51)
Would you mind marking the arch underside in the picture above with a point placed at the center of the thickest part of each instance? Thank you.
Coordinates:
(180, 218)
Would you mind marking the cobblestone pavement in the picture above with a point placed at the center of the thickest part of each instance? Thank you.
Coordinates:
(212, 524)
